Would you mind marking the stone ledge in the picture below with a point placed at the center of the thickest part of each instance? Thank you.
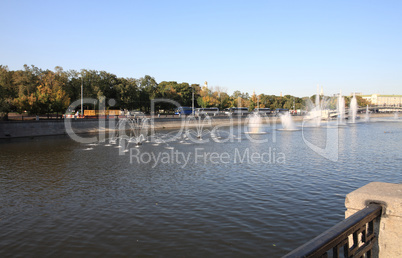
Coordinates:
(389, 195)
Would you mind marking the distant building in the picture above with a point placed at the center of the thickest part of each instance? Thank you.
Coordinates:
(356, 94)
(384, 100)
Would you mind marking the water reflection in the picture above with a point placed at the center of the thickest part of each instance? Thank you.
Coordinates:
(58, 199)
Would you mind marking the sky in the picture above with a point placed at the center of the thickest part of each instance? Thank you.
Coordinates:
(269, 47)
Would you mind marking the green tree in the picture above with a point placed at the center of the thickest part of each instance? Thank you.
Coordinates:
(240, 99)
(26, 81)
(7, 92)
(128, 94)
(49, 95)
(148, 90)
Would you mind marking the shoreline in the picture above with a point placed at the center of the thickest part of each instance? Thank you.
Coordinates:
(27, 129)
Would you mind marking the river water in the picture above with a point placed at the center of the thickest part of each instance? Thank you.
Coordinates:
(241, 197)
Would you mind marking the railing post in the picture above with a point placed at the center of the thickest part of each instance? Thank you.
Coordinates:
(390, 226)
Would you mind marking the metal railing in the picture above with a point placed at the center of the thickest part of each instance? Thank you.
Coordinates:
(353, 237)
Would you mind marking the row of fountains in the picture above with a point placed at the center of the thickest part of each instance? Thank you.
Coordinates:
(315, 115)
(137, 130)
(316, 110)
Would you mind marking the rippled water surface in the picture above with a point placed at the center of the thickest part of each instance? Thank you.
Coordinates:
(63, 198)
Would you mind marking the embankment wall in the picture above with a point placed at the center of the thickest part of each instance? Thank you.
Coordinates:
(15, 129)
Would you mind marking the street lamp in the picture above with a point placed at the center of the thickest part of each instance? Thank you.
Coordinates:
(192, 106)
(82, 97)
(220, 100)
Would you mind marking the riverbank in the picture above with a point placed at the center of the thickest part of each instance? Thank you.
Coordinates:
(17, 129)
(34, 128)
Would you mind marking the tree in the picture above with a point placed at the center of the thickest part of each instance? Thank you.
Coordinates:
(240, 99)
(254, 101)
(7, 92)
(73, 85)
(225, 100)
(361, 102)
(60, 97)
(184, 93)
(128, 94)
(49, 95)
(148, 91)
(207, 98)
(36, 91)
(26, 81)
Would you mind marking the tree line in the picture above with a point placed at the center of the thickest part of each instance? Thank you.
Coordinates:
(38, 91)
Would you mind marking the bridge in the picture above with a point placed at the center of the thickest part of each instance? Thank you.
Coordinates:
(373, 109)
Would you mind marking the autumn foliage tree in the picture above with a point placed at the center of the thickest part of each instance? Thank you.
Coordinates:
(38, 91)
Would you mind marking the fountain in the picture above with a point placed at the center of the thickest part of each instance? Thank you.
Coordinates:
(138, 130)
(340, 106)
(287, 123)
(367, 115)
(199, 124)
(315, 114)
(396, 116)
(353, 109)
(114, 133)
(255, 124)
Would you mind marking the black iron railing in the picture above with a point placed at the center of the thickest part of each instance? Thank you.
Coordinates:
(353, 237)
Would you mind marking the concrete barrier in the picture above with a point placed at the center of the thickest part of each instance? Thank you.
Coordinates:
(390, 226)
(33, 128)
(15, 129)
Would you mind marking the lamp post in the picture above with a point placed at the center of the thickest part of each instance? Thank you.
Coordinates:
(192, 103)
(82, 98)
(220, 100)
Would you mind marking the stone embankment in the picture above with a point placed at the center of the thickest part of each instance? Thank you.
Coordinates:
(15, 129)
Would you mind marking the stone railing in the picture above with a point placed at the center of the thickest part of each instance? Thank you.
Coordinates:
(372, 226)
(389, 196)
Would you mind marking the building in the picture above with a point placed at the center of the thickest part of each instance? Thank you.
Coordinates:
(356, 94)
(384, 100)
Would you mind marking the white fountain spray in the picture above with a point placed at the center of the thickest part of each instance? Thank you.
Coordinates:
(287, 122)
(317, 109)
(341, 109)
(138, 129)
(255, 124)
(197, 126)
(367, 116)
(353, 109)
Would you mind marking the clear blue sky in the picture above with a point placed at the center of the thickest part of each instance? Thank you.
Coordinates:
(266, 46)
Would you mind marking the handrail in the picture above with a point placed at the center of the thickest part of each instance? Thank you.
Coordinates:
(360, 225)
